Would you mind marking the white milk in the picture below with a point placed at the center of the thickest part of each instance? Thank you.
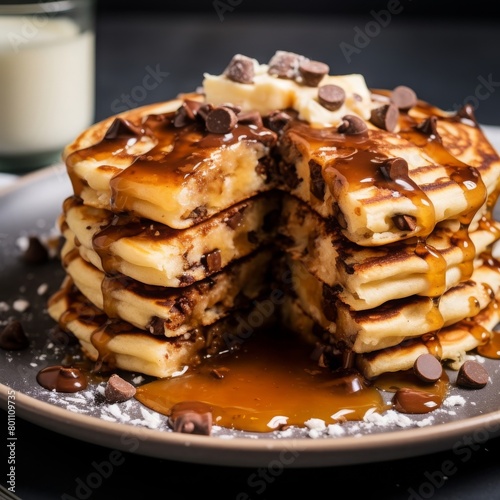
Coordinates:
(46, 84)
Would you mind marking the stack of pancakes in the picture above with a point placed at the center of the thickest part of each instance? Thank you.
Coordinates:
(167, 236)
(370, 212)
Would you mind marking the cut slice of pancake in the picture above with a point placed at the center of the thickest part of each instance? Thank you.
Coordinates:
(450, 344)
(155, 163)
(116, 344)
(170, 311)
(396, 320)
(366, 277)
(384, 187)
(155, 254)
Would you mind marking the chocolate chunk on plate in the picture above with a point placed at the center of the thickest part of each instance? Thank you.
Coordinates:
(13, 337)
(472, 375)
(118, 390)
(414, 401)
(191, 418)
(37, 252)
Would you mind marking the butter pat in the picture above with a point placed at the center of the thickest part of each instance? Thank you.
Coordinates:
(268, 93)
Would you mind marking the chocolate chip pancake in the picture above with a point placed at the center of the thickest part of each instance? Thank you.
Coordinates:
(366, 277)
(449, 344)
(395, 320)
(169, 311)
(116, 344)
(155, 254)
(161, 162)
(383, 187)
(358, 219)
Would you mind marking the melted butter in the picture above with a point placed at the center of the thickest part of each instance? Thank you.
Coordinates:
(266, 377)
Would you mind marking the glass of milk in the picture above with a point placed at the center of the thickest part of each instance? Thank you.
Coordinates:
(47, 79)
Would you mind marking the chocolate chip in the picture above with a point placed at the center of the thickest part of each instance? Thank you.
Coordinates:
(329, 302)
(13, 337)
(277, 121)
(352, 125)
(385, 117)
(472, 375)
(240, 69)
(186, 113)
(234, 220)
(36, 253)
(221, 120)
(191, 418)
(467, 112)
(414, 401)
(403, 97)
(289, 175)
(405, 222)
(118, 390)
(428, 368)
(204, 110)
(317, 184)
(394, 168)
(198, 213)
(429, 127)
(212, 261)
(122, 128)
(252, 237)
(285, 64)
(250, 118)
(331, 97)
(312, 72)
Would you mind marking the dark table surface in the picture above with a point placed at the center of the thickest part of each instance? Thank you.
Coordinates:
(446, 62)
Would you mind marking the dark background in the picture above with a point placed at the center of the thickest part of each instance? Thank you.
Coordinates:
(421, 8)
(444, 51)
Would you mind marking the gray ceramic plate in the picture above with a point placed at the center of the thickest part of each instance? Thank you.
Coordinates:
(31, 206)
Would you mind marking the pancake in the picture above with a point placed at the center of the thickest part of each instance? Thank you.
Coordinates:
(395, 320)
(168, 311)
(115, 344)
(450, 344)
(366, 277)
(384, 187)
(160, 162)
(155, 254)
